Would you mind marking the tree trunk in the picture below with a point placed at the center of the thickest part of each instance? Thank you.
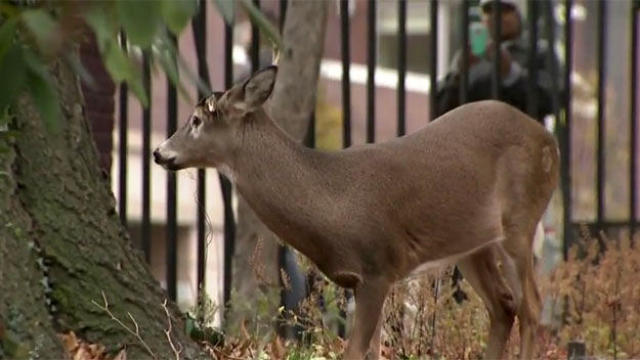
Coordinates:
(62, 246)
(291, 105)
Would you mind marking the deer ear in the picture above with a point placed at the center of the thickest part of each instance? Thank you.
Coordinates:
(258, 88)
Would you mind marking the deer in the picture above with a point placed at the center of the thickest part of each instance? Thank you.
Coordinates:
(469, 188)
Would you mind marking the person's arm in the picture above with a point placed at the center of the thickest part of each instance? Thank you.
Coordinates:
(545, 62)
(447, 93)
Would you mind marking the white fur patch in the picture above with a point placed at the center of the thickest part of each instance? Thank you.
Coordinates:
(211, 104)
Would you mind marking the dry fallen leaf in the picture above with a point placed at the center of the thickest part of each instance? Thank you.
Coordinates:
(78, 349)
(70, 342)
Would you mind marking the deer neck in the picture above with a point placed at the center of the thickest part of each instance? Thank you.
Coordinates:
(277, 176)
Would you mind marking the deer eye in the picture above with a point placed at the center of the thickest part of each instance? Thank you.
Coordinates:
(196, 121)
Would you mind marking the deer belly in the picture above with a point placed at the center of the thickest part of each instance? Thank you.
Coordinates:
(451, 259)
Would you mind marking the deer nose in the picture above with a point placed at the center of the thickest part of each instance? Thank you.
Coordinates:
(156, 156)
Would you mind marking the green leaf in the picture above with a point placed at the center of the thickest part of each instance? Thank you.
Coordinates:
(178, 13)
(101, 20)
(227, 8)
(7, 35)
(164, 53)
(193, 77)
(42, 25)
(122, 69)
(43, 93)
(141, 20)
(262, 23)
(13, 74)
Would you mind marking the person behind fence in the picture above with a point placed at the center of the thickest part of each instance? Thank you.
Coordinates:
(514, 77)
(514, 54)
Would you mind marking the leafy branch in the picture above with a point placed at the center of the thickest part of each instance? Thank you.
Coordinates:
(34, 34)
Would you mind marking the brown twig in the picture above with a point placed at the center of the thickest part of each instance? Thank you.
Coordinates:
(135, 333)
(168, 332)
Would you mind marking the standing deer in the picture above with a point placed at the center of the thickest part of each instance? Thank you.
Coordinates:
(469, 188)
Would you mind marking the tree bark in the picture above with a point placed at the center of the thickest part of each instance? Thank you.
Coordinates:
(291, 105)
(62, 245)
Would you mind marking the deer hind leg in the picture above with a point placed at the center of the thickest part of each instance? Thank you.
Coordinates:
(374, 347)
(365, 334)
(519, 271)
(482, 272)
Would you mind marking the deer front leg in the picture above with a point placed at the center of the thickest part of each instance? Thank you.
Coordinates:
(369, 296)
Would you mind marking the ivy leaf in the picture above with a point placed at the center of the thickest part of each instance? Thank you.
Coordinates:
(188, 73)
(13, 74)
(227, 8)
(43, 93)
(100, 18)
(165, 55)
(265, 26)
(122, 69)
(7, 34)
(141, 20)
(43, 27)
(178, 13)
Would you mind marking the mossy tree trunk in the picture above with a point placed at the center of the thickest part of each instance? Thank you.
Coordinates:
(62, 246)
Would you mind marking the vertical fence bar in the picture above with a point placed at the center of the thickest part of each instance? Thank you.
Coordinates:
(551, 59)
(225, 184)
(146, 165)
(464, 72)
(433, 60)
(172, 222)
(310, 138)
(123, 129)
(433, 111)
(567, 210)
(283, 326)
(371, 68)
(497, 50)
(203, 73)
(199, 27)
(600, 180)
(402, 66)
(345, 43)
(633, 121)
(346, 76)
(283, 12)
(254, 53)
(532, 14)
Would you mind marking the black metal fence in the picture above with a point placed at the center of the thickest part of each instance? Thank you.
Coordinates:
(538, 12)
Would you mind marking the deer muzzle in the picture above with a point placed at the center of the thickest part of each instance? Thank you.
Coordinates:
(165, 159)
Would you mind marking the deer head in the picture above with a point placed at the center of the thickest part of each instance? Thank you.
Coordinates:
(213, 131)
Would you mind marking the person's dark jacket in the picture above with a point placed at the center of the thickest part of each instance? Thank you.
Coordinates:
(514, 87)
